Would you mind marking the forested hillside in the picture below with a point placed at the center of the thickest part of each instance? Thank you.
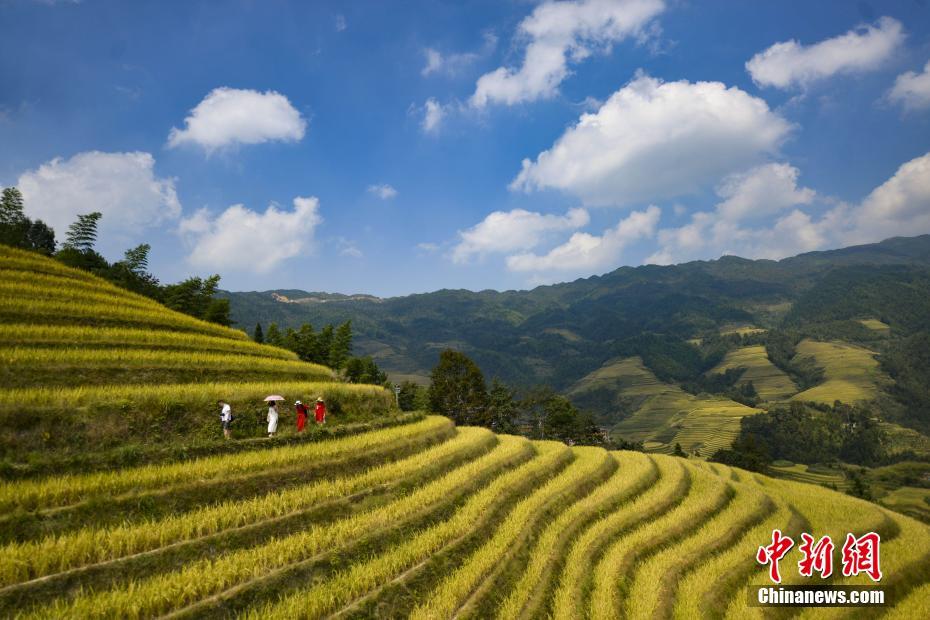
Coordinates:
(679, 319)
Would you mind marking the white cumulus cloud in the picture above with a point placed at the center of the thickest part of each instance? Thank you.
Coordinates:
(433, 113)
(240, 239)
(898, 207)
(584, 252)
(506, 231)
(382, 191)
(230, 116)
(762, 191)
(559, 33)
(912, 90)
(121, 186)
(653, 140)
(759, 193)
(791, 64)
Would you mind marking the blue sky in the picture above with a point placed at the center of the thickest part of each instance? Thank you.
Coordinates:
(400, 147)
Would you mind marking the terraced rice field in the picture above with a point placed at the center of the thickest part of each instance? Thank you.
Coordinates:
(802, 473)
(771, 383)
(903, 439)
(82, 360)
(744, 330)
(876, 325)
(64, 326)
(423, 520)
(851, 373)
(664, 414)
(912, 501)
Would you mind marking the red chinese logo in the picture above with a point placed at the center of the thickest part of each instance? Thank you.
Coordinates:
(773, 553)
(860, 555)
(817, 557)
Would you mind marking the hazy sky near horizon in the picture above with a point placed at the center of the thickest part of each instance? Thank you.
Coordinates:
(400, 147)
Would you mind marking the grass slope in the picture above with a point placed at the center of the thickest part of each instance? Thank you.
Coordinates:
(426, 520)
(661, 414)
(851, 372)
(771, 383)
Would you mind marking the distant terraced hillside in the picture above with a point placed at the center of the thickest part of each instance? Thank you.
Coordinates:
(661, 414)
(86, 360)
(771, 383)
(455, 523)
(851, 372)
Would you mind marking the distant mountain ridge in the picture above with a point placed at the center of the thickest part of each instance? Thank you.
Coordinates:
(560, 332)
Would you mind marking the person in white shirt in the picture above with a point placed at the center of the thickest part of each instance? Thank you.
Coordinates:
(272, 419)
(225, 417)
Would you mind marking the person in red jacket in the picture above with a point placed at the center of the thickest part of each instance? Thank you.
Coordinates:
(320, 411)
(302, 412)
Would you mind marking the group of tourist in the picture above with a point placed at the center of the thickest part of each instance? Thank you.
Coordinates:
(303, 412)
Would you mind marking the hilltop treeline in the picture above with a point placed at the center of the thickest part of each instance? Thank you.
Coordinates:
(459, 390)
(194, 296)
(331, 346)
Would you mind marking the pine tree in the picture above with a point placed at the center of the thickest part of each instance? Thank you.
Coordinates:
(341, 346)
(258, 336)
(11, 207)
(82, 234)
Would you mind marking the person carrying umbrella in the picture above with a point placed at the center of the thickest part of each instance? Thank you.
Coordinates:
(320, 411)
(273, 413)
(302, 412)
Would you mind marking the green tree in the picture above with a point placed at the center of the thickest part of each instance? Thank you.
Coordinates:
(532, 408)
(131, 273)
(40, 237)
(679, 452)
(257, 335)
(274, 336)
(364, 370)
(137, 259)
(457, 389)
(218, 312)
(18, 230)
(324, 344)
(306, 342)
(291, 342)
(195, 297)
(409, 395)
(341, 346)
(82, 234)
(502, 408)
(11, 207)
